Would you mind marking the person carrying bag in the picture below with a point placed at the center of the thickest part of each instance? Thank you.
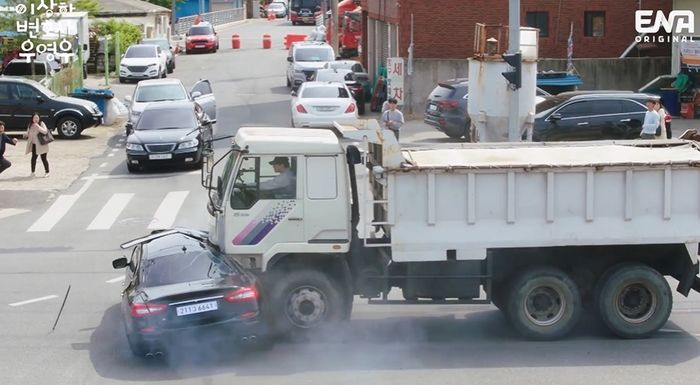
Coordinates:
(38, 139)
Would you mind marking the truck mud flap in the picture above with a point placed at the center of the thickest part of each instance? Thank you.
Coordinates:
(688, 281)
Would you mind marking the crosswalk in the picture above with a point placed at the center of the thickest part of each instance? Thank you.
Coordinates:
(154, 210)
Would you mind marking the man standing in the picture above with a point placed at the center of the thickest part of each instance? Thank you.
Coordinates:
(392, 119)
(651, 121)
(4, 139)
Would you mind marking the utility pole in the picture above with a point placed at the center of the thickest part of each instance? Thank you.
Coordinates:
(334, 26)
(513, 48)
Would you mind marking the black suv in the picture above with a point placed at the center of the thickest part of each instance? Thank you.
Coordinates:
(20, 98)
(446, 108)
(573, 116)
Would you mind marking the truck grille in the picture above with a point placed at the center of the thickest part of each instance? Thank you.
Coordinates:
(168, 147)
(137, 68)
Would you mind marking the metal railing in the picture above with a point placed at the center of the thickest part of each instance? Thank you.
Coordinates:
(214, 18)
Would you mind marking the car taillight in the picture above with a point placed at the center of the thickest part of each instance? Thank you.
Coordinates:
(301, 109)
(243, 294)
(351, 108)
(145, 309)
(448, 104)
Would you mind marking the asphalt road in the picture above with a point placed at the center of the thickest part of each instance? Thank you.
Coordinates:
(70, 242)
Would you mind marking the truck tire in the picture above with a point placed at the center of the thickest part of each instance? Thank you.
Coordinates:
(543, 304)
(634, 300)
(305, 302)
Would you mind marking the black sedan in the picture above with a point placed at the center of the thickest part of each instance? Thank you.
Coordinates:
(168, 133)
(178, 288)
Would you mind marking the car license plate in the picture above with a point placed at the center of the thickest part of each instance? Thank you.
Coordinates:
(160, 156)
(197, 308)
(433, 107)
(199, 46)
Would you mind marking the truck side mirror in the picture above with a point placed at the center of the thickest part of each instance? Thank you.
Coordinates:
(120, 263)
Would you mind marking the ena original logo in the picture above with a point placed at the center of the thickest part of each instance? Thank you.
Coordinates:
(646, 22)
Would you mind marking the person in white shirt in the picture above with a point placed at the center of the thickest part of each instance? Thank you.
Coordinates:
(392, 119)
(284, 184)
(651, 121)
(662, 120)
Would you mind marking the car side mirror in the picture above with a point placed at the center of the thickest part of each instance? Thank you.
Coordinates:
(289, 59)
(127, 99)
(196, 94)
(129, 127)
(294, 93)
(39, 98)
(120, 263)
(556, 116)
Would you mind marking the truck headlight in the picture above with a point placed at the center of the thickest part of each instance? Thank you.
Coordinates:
(189, 144)
(134, 147)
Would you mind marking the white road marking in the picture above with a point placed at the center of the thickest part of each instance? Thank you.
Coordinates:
(58, 209)
(6, 213)
(34, 300)
(118, 145)
(168, 209)
(103, 165)
(671, 331)
(115, 149)
(194, 172)
(122, 140)
(115, 280)
(110, 211)
(110, 154)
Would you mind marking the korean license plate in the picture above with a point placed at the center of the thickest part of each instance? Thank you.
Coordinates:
(197, 308)
(199, 46)
(160, 156)
(433, 107)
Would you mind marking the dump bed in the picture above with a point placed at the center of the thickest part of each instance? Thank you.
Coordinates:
(482, 196)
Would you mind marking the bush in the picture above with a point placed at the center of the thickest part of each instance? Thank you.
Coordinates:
(128, 33)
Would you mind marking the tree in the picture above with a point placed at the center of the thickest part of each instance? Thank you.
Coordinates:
(89, 6)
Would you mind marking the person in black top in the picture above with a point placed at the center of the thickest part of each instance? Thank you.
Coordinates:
(4, 139)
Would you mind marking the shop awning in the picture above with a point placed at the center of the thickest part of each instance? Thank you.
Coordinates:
(559, 80)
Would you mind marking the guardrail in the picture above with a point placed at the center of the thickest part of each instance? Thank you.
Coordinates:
(214, 18)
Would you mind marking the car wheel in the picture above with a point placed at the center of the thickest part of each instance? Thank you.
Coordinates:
(122, 80)
(171, 67)
(294, 23)
(454, 135)
(69, 127)
(132, 168)
(361, 106)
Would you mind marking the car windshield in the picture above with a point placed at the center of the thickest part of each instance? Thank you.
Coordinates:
(184, 263)
(547, 104)
(313, 54)
(160, 93)
(202, 30)
(166, 118)
(162, 43)
(140, 52)
(21, 68)
(325, 92)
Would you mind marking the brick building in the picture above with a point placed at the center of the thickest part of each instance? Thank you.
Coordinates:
(445, 28)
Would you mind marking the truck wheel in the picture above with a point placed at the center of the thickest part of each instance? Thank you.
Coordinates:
(544, 304)
(305, 301)
(69, 127)
(634, 300)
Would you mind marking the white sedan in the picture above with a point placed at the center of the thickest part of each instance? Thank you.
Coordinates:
(318, 104)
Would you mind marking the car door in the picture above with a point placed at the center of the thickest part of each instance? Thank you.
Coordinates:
(30, 100)
(205, 98)
(570, 122)
(632, 117)
(8, 106)
(603, 123)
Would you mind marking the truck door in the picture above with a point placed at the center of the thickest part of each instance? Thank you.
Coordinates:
(265, 205)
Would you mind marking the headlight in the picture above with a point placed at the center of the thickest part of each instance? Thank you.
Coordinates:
(189, 144)
(96, 110)
(152, 65)
(122, 65)
(135, 113)
(134, 147)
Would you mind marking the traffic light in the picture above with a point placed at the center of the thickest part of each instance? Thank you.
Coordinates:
(514, 77)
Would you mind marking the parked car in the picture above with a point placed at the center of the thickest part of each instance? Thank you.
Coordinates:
(165, 47)
(167, 134)
(347, 77)
(358, 69)
(179, 287)
(592, 115)
(318, 104)
(43, 72)
(143, 61)
(21, 97)
(280, 9)
(201, 37)
(162, 90)
(304, 59)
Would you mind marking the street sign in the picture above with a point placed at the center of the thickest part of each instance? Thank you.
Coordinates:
(395, 70)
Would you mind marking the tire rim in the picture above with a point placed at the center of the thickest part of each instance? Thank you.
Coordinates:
(69, 128)
(306, 307)
(636, 304)
(544, 305)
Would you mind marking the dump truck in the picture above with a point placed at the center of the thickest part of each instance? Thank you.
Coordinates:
(544, 231)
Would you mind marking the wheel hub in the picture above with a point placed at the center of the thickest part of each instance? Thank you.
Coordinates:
(306, 307)
(544, 306)
(636, 303)
(69, 128)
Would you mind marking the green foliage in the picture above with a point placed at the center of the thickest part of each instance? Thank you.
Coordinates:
(128, 33)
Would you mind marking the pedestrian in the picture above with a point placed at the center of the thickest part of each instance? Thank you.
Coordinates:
(651, 121)
(34, 145)
(392, 119)
(667, 120)
(4, 139)
(661, 131)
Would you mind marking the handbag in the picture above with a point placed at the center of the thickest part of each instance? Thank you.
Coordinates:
(46, 138)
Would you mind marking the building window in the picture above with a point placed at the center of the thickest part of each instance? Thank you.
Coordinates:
(538, 20)
(595, 23)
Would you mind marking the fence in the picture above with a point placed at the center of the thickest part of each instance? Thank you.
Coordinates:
(214, 18)
(67, 79)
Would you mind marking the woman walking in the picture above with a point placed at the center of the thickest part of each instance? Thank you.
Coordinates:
(34, 145)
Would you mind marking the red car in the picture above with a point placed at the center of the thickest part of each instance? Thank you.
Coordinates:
(201, 37)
